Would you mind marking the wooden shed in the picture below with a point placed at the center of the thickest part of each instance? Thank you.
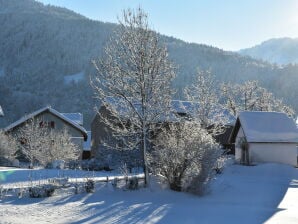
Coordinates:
(265, 137)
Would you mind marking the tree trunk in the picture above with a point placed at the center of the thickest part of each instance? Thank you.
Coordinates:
(176, 185)
(144, 157)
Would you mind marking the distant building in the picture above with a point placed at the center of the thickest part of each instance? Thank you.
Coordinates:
(54, 120)
(223, 139)
(265, 137)
(103, 144)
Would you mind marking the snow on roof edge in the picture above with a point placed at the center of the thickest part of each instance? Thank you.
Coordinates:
(268, 126)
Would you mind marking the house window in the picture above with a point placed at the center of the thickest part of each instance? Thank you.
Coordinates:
(49, 124)
(41, 124)
(52, 124)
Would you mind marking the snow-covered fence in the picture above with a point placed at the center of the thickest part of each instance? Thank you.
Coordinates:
(39, 188)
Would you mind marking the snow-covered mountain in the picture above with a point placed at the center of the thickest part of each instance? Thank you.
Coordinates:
(278, 50)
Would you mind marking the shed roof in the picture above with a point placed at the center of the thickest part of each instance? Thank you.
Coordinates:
(176, 107)
(266, 127)
(52, 111)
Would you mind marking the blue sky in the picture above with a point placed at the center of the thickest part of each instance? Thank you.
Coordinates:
(227, 24)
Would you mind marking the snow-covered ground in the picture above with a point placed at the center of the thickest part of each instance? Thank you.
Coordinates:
(266, 193)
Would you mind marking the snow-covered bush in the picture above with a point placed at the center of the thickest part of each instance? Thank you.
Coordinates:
(90, 186)
(132, 183)
(185, 154)
(59, 181)
(199, 183)
(42, 191)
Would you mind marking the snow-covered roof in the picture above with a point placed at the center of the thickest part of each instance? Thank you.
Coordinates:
(267, 127)
(76, 117)
(177, 107)
(87, 144)
(1, 112)
(50, 110)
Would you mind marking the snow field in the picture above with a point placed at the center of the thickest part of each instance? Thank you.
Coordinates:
(266, 193)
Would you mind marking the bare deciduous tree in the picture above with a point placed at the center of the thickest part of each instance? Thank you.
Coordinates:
(60, 147)
(32, 138)
(135, 69)
(185, 154)
(208, 110)
(42, 144)
(250, 96)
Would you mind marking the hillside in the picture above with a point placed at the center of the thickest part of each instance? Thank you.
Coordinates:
(46, 53)
(279, 50)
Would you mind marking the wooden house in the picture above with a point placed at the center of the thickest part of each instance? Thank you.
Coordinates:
(54, 120)
(102, 133)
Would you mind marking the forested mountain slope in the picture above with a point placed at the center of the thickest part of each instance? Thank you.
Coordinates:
(45, 55)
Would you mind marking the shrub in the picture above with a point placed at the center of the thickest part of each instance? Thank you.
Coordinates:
(41, 191)
(90, 186)
(132, 183)
(185, 154)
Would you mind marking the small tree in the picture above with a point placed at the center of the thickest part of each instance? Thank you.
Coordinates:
(33, 139)
(59, 146)
(208, 110)
(185, 154)
(135, 70)
(42, 144)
